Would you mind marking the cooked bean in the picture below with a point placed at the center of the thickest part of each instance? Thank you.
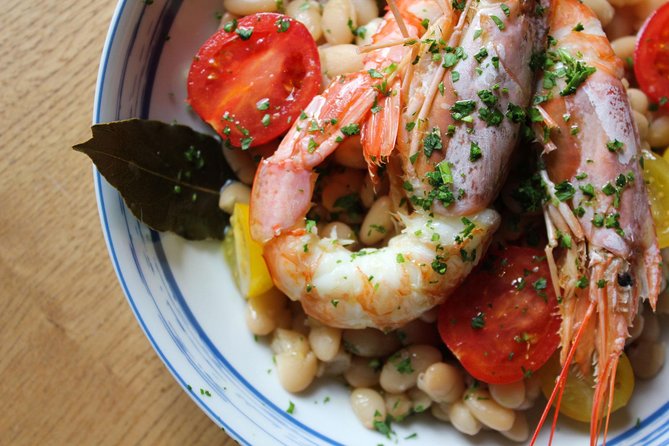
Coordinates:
(308, 12)
(463, 419)
(336, 366)
(398, 406)
(368, 406)
(651, 327)
(420, 400)
(325, 341)
(338, 19)
(418, 332)
(602, 9)
(338, 187)
(363, 372)
(519, 431)
(619, 26)
(365, 11)
(638, 100)
(646, 7)
(264, 312)
(377, 222)
(441, 411)
(509, 395)
(340, 231)
(366, 32)
(532, 392)
(488, 411)
(296, 371)
(340, 59)
(622, 3)
(370, 342)
(401, 370)
(636, 328)
(658, 133)
(442, 382)
(349, 151)
(246, 7)
(289, 341)
(233, 192)
(641, 123)
(624, 47)
(241, 164)
(647, 358)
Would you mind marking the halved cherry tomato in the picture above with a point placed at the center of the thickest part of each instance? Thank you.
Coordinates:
(253, 77)
(502, 323)
(651, 56)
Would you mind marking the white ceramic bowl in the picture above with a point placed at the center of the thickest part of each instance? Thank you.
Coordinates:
(183, 294)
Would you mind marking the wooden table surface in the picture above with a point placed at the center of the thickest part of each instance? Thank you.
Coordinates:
(75, 367)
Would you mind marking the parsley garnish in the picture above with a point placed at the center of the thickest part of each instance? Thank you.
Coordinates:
(478, 321)
(564, 191)
(244, 33)
(351, 129)
(475, 152)
(432, 142)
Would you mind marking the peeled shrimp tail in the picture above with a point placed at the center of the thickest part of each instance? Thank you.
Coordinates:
(385, 287)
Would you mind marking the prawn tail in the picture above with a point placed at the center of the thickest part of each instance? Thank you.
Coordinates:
(379, 132)
(561, 381)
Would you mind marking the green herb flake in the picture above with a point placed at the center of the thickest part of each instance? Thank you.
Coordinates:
(498, 22)
(478, 321)
(351, 129)
(432, 142)
(475, 152)
(291, 407)
(614, 146)
(505, 9)
(244, 33)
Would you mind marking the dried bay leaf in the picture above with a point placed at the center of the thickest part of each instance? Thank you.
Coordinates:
(169, 175)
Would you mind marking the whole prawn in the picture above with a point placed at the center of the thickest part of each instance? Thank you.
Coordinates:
(387, 287)
(597, 214)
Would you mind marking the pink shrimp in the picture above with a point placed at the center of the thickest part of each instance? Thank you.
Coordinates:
(598, 208)
(364, 102)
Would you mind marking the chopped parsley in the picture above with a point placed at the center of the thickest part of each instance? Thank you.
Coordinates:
(475, 152)
(291, 407)
(351, 129)
(498, 22)
(564, 191)
(462, 110)
(614, 146)
(404, 366)
(505, 9)
(432, 142)
(282, 25)
(478, 321)
(244, 33)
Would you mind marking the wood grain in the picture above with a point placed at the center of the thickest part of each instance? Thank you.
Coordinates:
(75, 367)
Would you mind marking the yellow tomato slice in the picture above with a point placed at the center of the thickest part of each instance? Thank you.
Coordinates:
(656, 175)
(252, 273)
(579, 391)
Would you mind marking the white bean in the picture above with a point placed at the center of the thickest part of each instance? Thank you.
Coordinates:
(624, 47)
(233, 192)
(264, 312)
(638, 100)
(289, 341)
(340, 59)
(520, 430)
(336, 366)
(307, 12)
(377, 222)
(658, 133)
(365, 11)
(442, 382)
(370, 343)
(401, 370)
(340, 231)
(398, 406)
(641, 124)
(349, 151)
(296, 371)
(338, 19)
(368, 406)
(647, 358)
(363, 372)
(421, 401)
(441, 411)
(246, 7)
(463, 419)
(622, 3)
(365, 33)
(651, 327)
(602, 9)
(488, 411)
(509, 395)
(325, 341)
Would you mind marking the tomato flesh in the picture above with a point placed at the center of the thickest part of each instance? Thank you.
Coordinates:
(502, 323)
(251, 80)
(651, 57)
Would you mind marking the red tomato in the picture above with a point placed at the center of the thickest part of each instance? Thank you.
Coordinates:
(651, 56)
(253, 77)
(502, 323)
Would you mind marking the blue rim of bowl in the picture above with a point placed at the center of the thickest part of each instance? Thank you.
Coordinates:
(175, 4)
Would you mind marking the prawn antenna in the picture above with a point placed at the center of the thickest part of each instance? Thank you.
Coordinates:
(561, 381)
(398, 18)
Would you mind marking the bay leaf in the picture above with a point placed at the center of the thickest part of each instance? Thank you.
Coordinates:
(169, 175)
